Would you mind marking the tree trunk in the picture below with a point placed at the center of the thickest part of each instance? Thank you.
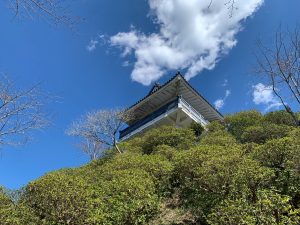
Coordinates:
(116, 146)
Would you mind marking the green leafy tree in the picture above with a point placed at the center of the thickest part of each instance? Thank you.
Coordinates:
(15, 213)
(157, 166)
(249, 178)
(166, 151)
(221, 138)
(124, 197)
(282, 155)
(197, 128)
(238, 122)
(243, 171)
(215, 126)
(204, 175)
(266, 131)
(59, 198)
(280, 117)
(174, 137)
(270, 208)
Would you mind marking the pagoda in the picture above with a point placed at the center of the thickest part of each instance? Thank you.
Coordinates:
(174, 103)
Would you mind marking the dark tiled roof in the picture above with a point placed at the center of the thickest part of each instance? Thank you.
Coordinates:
(153, 91)
(157, 87)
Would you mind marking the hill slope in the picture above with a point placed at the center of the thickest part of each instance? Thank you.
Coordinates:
(244, 171)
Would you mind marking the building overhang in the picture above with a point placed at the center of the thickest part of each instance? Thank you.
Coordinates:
(177, 112)
(177, 86)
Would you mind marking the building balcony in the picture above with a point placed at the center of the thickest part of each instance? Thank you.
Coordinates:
(177, 112)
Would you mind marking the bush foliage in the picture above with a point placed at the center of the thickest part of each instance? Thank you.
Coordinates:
(245, 170)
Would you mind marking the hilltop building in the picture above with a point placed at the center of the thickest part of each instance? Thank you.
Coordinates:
(174, 103)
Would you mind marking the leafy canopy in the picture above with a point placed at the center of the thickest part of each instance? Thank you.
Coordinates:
(245, 170)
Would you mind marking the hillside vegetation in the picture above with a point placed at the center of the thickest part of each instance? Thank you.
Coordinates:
(243, 171)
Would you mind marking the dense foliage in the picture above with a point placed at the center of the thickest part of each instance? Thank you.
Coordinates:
(245, 170)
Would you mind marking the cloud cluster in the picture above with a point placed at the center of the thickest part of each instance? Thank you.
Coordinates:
(98, 40)
(225, 83)
(92, 45)
(219, 103)
(193, 35)
(264, 95)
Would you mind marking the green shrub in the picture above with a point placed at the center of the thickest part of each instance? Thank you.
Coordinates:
(275, 153)
(59, 198)
(243, 171)
(197, 128)
(261, 133)
(249, 178)
(270, 208)
(5, 201)
(204, 175)
(165, 150)
(280, 117)
(297, 114)
(294, 135)
(157, 166)
(237, 123)
(283, 156)
(12, 213)
(174, 137)
(215, 126)
(221, 138)
(126, 197)
(133, 145)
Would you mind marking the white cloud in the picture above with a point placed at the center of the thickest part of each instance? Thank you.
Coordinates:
(219, 103)
(264, 95)
(126, 64)
(225, 83)
(227, 93)
(92, 45)
(192, 36)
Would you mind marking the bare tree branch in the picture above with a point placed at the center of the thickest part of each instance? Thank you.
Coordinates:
(231, 7)
(53, 11)
(230, 4)
(20, 112)
(209, 5)
(280, 64)
(98, 130)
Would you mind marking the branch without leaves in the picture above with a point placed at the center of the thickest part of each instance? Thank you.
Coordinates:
(231, 7)
(20, 112)
(98, 130)
(230, 4)
(280, 64)
(53, 11)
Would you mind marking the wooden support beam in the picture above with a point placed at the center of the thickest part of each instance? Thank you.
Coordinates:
(171, 120)
(184, 119)
(178, 116)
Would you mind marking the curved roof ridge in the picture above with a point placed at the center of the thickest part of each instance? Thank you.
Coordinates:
(153, 91)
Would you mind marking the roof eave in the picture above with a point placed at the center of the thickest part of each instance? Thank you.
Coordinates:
(149, 96)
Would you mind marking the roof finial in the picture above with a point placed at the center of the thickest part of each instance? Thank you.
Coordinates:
(178, 72)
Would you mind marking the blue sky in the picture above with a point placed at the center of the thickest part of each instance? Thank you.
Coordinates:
(33, 51)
